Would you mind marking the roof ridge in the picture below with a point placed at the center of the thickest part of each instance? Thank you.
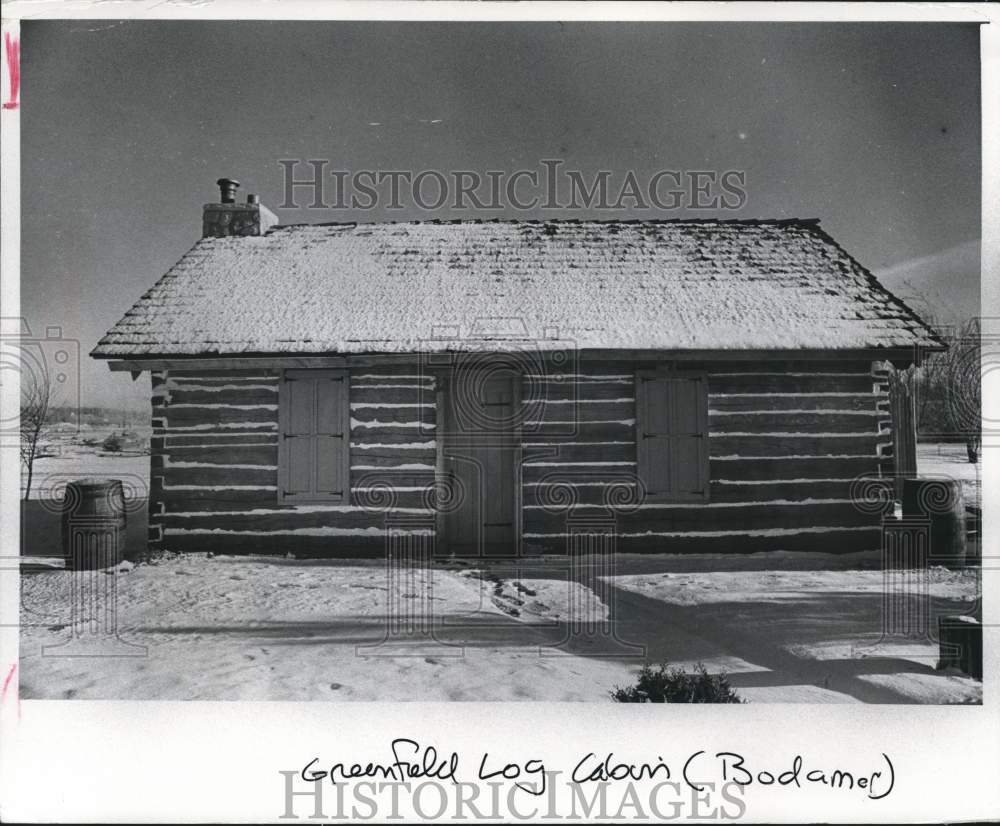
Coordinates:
(811, 222)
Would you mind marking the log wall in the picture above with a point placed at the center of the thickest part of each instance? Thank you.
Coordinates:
(214, 465)
(786, 441)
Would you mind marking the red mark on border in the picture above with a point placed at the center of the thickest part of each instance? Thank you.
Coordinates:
(12, 46)
(6, 682)
(6, 685)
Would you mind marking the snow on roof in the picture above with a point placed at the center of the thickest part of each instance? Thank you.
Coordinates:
(393, 288)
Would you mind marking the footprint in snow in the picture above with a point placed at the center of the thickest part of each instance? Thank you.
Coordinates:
(507, 609)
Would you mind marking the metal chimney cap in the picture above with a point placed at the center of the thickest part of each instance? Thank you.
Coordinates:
(227, 190)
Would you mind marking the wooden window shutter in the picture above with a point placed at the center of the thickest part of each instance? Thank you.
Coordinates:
(653, 430)
(314, 436)
(672, 435)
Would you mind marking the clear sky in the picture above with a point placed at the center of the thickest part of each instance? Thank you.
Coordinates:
(873, 128)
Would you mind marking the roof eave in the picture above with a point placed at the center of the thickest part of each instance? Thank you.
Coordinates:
(901, 357)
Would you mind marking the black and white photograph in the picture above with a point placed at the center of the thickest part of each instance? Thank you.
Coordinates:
(369, 363)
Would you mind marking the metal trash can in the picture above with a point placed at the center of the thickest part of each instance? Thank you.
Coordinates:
(940, 502)
(93, 524)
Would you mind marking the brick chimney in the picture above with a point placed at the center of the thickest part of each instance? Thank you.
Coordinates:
(230, 218)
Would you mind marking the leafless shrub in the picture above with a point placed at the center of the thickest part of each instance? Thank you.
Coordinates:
(36, 401)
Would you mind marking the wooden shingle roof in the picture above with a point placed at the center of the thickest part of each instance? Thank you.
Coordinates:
(397, 288)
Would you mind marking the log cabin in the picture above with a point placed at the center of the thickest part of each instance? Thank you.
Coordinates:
(698, 385)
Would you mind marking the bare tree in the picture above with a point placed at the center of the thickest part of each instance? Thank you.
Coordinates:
(963, 385)
(36, 399)
(927, 383)
(947, 386)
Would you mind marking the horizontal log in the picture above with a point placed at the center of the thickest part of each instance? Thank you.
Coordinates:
(556, 492)
(793, 401)
(288, 520)
(392, 458)
(226, 370)
(213, 381)
(582, 390)
(227, 393)
(608, 374)
(414, 373)
(179, 417)
(398, 478)
(551, 471)
(825, 541)
(217, 433)
(392, 455)
(579, 430)
(766, 364)
(375, 546)
(596, 495)
(790, 383)
(555, 355)
(225, 455)
(392, 414)
(375, 429)
(580, 411)
(380, 499)
(811, 467)
(391, 393)
(215, 499)
(301, 546)
(364, 436)
(717, 517)
(795, 421)
(790, 490)
(747, 359)
(611, 451)
(218, 476)
(376, 499)
(794, 445)
(216, 438)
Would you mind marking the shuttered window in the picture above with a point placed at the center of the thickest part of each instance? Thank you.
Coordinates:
(314, 439)
(672, 435)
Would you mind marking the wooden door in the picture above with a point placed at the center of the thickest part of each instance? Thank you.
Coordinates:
(481, 450)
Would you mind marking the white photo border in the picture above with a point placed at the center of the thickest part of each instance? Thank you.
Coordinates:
(129, 761)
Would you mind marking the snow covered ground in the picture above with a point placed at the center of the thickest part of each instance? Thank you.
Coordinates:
(70, 452)
(229, 628)
(787, 627)
(237, 628)
(951, 461)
